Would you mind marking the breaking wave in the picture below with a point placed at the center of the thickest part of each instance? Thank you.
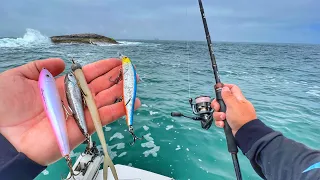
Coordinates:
(30, 38)
(128, 43)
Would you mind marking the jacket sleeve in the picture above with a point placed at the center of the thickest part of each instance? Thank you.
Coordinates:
(15, 165)
(274, 156)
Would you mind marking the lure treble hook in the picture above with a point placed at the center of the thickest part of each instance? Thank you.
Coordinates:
(69, 163)
(117, 79)
(134, 136)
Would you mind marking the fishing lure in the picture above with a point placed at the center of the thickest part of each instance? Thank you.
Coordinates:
(77, 70)
(129, 76)
(75, 102)
(53, 108)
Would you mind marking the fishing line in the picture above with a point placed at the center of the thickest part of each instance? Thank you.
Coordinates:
(231, 143)
(188, 62)
(202, 106)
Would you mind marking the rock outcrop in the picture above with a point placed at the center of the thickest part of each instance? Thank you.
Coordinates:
(83, 38)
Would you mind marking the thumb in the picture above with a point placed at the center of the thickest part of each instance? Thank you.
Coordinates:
(227, 96)
(32, 69)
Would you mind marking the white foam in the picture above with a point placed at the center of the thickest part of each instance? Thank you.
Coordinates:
(30, 38)
(146, 128)
(107, 128)
(117, 135)
(187, 149)
(122, 154)
(169, 127)
(99, 147)
(152, 151)
(148, 137)
(73, 154)
(144, 105)
(119, 146)
(112, 154)
(128, 43)
(178, 147)
(45, 172)
(149, 144)
(153, 113)
(199, 160)
(130, 164)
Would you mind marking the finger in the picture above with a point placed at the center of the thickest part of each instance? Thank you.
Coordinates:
(227, 96)
(219, 124)
(32, 70)
(236, 91)
(96, 69)
(110, 95)
(112, 112)
(219, 116)
(103, 82)
(215, 105)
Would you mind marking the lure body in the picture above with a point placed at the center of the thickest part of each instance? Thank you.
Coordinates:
(77, 70)
(129, 76)
(53, 107)
(75, 101)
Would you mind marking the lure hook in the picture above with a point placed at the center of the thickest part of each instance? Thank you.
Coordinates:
(67, 113)
(133, 135)
(117, 79)
(69, 163)
(88, 141)
(118, 99)
(72, 60)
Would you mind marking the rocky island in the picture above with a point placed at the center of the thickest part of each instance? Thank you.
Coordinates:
(83, 38)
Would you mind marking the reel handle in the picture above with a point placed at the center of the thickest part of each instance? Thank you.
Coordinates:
(231, 142)
(176, 114)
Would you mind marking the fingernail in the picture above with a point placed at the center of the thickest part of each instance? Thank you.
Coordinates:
(222, 116)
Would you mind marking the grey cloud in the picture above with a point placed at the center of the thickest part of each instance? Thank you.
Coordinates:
(246, 20)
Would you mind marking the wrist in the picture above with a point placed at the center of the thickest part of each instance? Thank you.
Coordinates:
(16, 165)
(249, 133)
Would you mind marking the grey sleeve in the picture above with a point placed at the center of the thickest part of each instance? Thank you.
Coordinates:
(275, 157)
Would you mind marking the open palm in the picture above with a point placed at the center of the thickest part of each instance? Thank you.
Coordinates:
(23, 120)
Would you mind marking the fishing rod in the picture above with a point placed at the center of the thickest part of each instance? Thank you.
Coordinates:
(202, 106)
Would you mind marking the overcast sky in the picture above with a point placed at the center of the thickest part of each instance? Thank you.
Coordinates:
(295, 21)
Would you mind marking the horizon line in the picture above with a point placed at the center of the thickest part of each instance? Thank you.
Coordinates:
(214, 41)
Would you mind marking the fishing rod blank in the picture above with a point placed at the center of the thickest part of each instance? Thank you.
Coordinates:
(232, 147)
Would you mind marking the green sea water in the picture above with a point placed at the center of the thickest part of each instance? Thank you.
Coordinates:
(281, 80)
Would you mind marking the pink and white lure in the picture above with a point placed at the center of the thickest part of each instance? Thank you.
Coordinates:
(53, 107)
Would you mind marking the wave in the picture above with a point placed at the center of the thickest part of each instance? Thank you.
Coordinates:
(127, 43)
(30, 38)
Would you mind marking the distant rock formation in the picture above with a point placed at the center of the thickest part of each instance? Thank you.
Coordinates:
(83, 38)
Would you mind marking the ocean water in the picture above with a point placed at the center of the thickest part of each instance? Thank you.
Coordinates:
(281, 80)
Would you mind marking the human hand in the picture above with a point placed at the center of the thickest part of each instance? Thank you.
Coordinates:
(23, 120)
(239, 110)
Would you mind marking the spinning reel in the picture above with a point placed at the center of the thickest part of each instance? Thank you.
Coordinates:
(202, 109)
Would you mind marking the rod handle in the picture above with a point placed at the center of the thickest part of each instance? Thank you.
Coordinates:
(231, 142)
(176, 114)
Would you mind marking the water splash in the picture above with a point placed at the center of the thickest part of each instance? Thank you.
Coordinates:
(31, 38)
